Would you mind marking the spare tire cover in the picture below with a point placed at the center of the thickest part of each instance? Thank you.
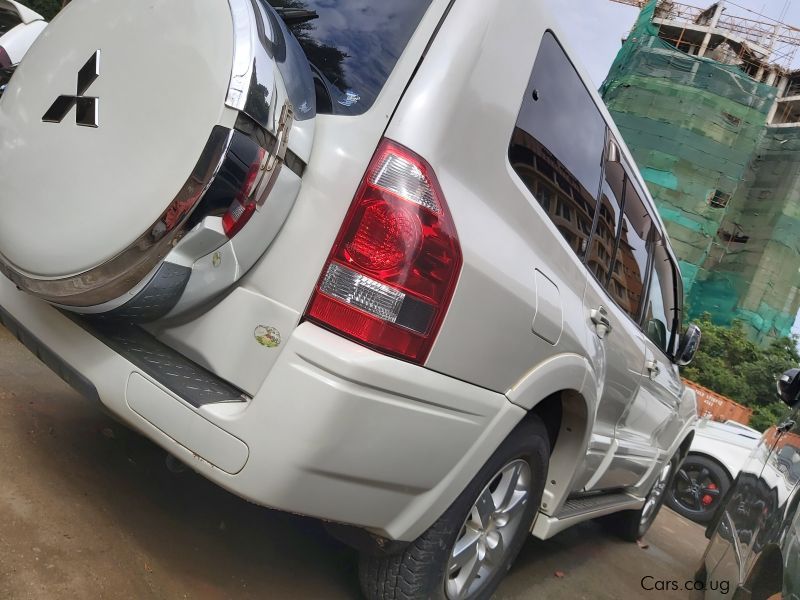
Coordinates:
(106, 118)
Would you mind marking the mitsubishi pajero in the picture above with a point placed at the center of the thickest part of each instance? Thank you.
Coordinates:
(386, 264)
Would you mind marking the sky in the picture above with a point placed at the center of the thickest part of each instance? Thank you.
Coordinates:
(594, 30)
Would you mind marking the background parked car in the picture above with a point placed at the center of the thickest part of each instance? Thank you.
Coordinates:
(755, 538)
(19, 28)
(717, 454)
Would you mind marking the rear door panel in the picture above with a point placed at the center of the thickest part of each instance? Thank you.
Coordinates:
(623, 357)
(654, 414)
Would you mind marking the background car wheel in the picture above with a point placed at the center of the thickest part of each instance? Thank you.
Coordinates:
(466, 553)
(698, 488)
(632, 525)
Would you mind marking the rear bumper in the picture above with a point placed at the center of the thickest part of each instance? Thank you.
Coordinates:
(336, 431)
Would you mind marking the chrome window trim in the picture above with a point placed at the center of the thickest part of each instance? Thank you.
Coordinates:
(122, 273)
(261, 41)
(252, 87)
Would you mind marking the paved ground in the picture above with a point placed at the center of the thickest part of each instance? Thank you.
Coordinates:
(88, 510)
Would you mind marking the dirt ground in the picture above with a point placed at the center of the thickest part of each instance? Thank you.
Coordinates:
(89, 510)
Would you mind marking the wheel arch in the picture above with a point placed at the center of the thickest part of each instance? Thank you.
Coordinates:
(562, 393)
(565, 415)
(686, 445)
(713, 459)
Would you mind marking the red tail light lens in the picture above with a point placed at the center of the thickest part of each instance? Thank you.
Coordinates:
(243, 206)
(392, 271)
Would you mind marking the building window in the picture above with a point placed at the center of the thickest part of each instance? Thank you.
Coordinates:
(564, 211)
(544, 196)
(719, 199)
(731, 119)
(735, 237)
(633, 253)
(545, 169)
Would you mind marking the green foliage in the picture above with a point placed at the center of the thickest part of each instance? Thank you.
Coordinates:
(768, 415)
(47, 8)
(730, 364)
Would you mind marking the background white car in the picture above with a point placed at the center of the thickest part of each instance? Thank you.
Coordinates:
(718, 453)
(19, 28)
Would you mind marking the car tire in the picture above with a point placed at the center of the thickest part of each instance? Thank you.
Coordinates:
(477, 523)
(698, 488)
(632, 525)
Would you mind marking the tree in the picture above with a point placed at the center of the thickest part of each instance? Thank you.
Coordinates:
(47, 8)
(730, 364)
(328, 59)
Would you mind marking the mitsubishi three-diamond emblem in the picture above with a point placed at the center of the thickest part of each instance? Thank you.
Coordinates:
(87, 107)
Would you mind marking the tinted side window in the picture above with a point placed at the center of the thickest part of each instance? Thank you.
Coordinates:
(557, 145)
(630, 267)
(661, 308)
(604, 241)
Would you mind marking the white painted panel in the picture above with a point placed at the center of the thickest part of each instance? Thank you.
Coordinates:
(185, 426)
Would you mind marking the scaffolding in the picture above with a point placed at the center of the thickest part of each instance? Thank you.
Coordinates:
(777, 42)
(726, 183)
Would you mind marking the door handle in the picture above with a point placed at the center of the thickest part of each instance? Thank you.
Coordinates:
(601, 321)
(653, 368)
(786, 426)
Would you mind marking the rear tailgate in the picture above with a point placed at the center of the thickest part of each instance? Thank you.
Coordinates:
(240, 338)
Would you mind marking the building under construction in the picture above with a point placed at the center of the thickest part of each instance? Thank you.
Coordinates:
(709, 104)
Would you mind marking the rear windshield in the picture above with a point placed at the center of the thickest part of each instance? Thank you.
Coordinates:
(353, 46)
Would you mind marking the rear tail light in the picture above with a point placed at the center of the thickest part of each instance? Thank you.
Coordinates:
(244, 204)
(391, 274)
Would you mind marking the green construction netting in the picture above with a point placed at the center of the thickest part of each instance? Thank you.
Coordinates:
(761, 273)
(726, 185)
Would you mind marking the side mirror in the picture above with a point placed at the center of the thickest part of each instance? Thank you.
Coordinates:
(689, 345)
(789, 387)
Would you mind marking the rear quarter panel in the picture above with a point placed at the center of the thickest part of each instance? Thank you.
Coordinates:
(459, 113)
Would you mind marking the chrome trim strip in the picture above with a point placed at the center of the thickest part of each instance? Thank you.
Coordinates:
(122, 273)
(243, 16)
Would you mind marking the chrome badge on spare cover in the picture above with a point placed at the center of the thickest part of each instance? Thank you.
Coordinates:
(87, 107)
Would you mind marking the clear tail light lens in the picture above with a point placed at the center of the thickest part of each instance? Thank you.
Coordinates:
(243, 206)
(393, 269)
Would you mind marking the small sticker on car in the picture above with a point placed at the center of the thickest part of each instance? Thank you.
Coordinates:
(268, 336)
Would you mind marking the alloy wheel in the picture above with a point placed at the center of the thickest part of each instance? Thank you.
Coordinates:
(656, 496)
(482, 544)
(695, 489)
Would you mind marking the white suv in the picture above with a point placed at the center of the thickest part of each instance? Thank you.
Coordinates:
(385, 264)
